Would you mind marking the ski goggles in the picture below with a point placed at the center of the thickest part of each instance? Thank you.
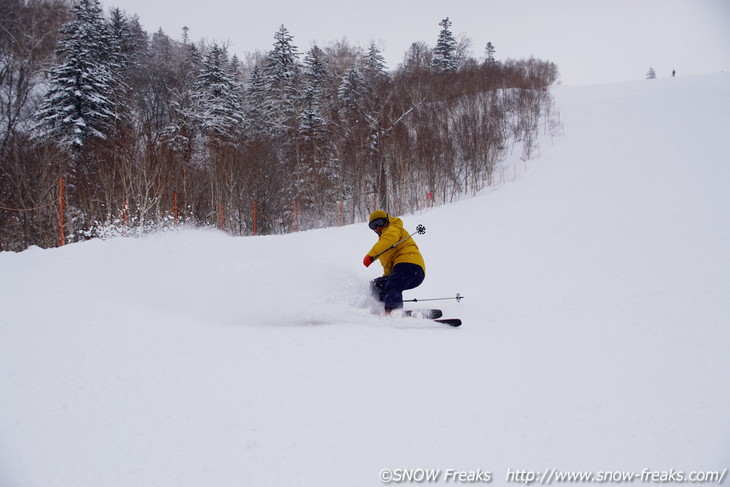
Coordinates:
(378, 222)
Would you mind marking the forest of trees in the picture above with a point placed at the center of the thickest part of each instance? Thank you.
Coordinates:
(155, 130)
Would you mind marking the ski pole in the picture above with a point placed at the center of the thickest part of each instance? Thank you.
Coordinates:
(420, 229)
(458, 299)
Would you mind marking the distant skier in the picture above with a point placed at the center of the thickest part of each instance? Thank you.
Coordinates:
(403, 265)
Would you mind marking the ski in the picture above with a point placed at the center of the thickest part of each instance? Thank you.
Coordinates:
(430, 314)
(433, 315)
(449, 321)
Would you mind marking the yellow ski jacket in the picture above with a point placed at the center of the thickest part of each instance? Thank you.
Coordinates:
(404, 252)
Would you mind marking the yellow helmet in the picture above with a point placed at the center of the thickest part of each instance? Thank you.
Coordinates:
(378, 219)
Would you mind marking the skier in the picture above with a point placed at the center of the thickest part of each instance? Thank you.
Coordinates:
(403, 265)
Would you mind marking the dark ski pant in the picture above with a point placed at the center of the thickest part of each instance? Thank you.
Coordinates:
(389, 289)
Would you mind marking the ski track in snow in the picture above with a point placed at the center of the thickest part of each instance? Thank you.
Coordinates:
(595, 332)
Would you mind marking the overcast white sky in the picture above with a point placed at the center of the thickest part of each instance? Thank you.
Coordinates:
(591, 41)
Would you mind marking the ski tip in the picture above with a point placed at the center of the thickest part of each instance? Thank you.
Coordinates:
(449, 321)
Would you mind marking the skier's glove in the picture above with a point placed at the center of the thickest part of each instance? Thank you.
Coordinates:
(367, 261)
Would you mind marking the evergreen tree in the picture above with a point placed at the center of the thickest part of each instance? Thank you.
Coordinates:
(445, 57)
(374, 64)
(316, 71)
(258, 110)
(352, 92)
(163, 92)
(489, 50)
(217, 104)
(129, 43)
(312, 176)
(78, 106)
(316, 75)
(378, 81)
(281, 67)
(234, 71)
(130, 38)
(651, 74)
(281, 77)
(313, 124)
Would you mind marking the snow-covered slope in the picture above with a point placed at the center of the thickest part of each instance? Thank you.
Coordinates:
(597, 324)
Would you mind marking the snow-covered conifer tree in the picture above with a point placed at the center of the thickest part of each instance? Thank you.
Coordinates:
(129, 47)
(171, 73)
(489, 51)
(217, 103)
(258, 110)
(445, 57)
(374, 64)
(352, 91)
(281, 78)
(281, 65)
(316, 75)
(312, 121)
(131, 39)
(315, 67)
(78, 104)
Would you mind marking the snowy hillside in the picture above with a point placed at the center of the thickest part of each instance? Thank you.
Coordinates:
(595, 337)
